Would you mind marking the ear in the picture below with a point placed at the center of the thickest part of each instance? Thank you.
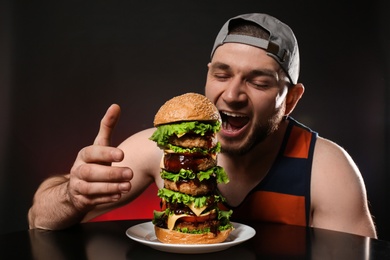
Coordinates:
(294, 94)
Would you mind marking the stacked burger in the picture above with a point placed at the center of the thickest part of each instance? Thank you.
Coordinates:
(186, 130)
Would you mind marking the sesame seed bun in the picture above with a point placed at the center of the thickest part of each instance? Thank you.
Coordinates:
(186, 107)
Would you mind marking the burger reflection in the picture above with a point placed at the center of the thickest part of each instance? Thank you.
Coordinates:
(144, 252)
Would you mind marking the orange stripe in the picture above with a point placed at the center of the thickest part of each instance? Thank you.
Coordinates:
(273, 207)
(301, 137)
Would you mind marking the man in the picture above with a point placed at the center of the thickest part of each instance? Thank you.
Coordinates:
(279, 170)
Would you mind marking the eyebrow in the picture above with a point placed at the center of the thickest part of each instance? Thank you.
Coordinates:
(264, 72)
(220, 65)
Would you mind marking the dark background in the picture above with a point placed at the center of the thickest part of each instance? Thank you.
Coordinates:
(62, 63)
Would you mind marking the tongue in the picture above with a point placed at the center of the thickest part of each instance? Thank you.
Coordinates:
(236, 122)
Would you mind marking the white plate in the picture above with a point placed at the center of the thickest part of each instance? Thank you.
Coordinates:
(144, 233)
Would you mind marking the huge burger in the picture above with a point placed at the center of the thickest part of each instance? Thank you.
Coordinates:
(186, 130)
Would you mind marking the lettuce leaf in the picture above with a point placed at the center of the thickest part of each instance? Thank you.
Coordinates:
(224, 218)
(178, 149)
(177, 197)
(216, 171)
(163, 132)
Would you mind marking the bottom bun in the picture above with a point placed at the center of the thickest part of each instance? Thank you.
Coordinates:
(175, 237)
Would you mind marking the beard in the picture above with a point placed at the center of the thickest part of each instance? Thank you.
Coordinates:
(258, 134)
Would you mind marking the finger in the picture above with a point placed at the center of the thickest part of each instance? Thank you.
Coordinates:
(107, 125)
(100, 154)
(82, 202)
(92, 173)
(102, 189)
(86, 195)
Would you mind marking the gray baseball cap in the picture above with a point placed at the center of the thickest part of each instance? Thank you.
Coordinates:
(281, 45)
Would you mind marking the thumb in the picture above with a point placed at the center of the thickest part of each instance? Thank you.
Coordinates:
(107, 125)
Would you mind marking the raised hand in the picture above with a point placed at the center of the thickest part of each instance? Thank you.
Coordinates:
(93, 180)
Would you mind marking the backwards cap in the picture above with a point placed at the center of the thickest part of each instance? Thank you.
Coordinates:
(281, 45)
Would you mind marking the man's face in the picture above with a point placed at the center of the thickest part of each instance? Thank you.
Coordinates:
(245, 85)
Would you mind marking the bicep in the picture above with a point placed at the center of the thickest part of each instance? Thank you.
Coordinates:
(339, 200)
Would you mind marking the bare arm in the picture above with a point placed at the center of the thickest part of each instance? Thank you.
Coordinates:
(62, 201)
(339, 199)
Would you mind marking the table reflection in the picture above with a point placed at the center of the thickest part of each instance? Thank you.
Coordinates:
(108, 240)
(325, 244)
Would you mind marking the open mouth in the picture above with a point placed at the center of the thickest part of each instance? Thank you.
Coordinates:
(233, 122)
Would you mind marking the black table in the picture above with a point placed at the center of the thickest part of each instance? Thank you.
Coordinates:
(108, 240)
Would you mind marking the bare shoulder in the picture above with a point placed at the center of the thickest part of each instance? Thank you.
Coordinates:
(141, 137)
(140, 143)
(338, 193)
(329, 155)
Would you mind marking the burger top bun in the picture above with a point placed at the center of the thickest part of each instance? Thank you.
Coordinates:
(174, 237)
(186, 107)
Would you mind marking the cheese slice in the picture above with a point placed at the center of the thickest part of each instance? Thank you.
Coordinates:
(172, 220)
(180, 135)
(197, 211)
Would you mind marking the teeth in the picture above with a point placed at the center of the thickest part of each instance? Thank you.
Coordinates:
(232, 115)
(224, 124)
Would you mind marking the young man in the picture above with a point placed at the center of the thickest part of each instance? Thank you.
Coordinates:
(279, 170)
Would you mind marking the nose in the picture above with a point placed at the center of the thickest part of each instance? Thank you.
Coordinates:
(235, 94)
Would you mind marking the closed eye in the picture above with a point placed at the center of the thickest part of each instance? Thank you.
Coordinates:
(221, 76)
